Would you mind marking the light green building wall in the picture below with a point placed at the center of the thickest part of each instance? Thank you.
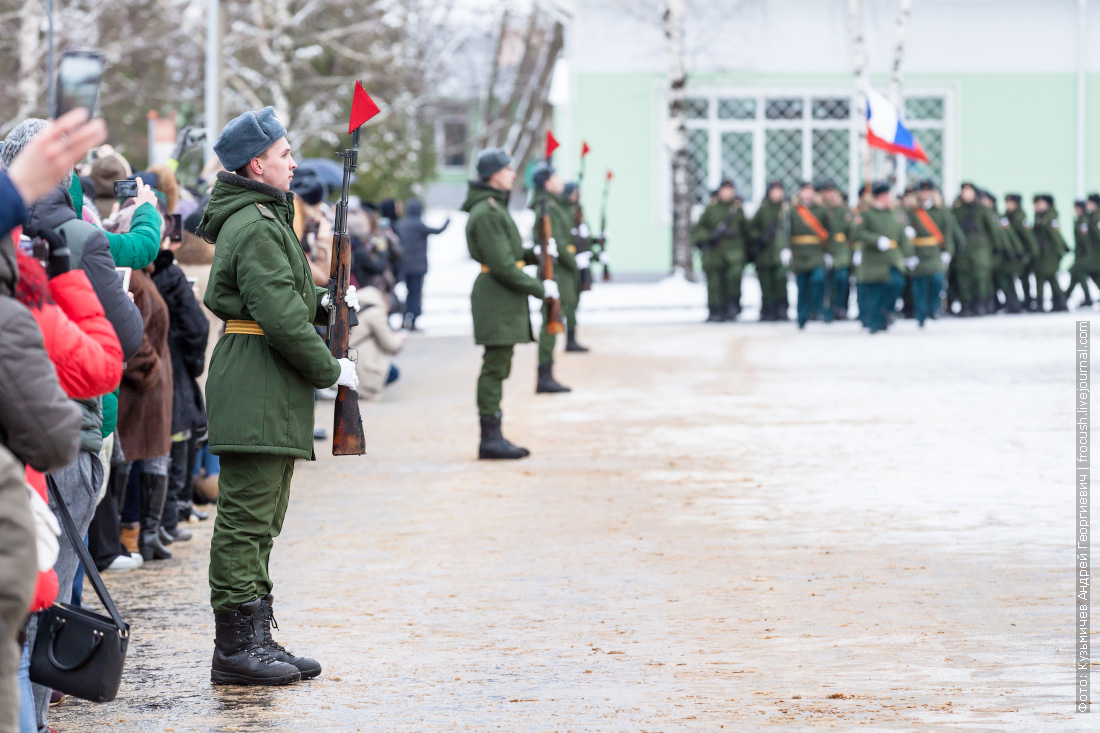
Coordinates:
(1007, 132)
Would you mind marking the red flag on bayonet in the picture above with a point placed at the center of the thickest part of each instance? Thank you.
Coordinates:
(585, 150)
(362, 108)
(551, 144)
(609, 175)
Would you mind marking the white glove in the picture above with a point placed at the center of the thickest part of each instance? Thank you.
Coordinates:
(552, 247)
(828, 260)
(857, 257)
(912, 262)
(605, 258)
(348, 376)
(583, 230)
(584, 260)
(945, 258)
(910, 232)
(46, 531)
(883, 244)
(351, 298)
(551, 289)
(785, 257)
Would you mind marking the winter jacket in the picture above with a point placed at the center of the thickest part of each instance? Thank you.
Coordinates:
(12, 209)
(414, 239)
(188, 332)
(145, 397)
(45, 589)
(79, 339)
(369, 265)
(38, 422)
(259, 393)
(18, 567)
(375, 342)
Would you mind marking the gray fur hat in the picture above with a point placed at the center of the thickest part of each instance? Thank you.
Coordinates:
(247, 137)
(490, 161)
(18, 138)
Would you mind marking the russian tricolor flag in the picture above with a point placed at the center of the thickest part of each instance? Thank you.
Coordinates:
(885, 131)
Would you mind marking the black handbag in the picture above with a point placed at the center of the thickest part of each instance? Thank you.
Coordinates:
(76, 651)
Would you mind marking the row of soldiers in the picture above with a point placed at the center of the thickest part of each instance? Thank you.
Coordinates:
(928, 255)
(499, 303)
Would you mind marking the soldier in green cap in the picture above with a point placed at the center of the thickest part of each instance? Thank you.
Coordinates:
(1008, 252)
(838, 220)
(975, 263)
(501, 314)
(260, 390)
(720, 236)
(933, 242)
(1048, 234)
(1017, 219)
(547, 197)
(882, 251)
(807, 255)
(768, 232)
(1077, 271)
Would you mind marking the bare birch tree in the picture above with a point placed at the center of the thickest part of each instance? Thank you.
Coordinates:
(682, 259)
(862, 71)
(901, 32)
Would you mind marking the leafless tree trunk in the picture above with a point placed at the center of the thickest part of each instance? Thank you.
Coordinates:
(532, 115)
(677, 119)
(863, 81)
(489, 107)
(902, 29)
(31, 17)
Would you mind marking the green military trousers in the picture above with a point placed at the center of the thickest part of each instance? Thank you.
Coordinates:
(773, 284)
(253, 492)
(724, 284)
(496, 365)
(547, 340)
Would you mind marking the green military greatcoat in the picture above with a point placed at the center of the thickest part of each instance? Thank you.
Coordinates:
(838, 220)
(259, 393)
(808, 248)
(875, 264)
(929, 245)
(1052, 245)
(566, 273)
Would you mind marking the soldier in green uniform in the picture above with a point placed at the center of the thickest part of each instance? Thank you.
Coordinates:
(975, 263)
(720, 236)
(548, 196)
(1077, 275)
(838, 220)
(768, 235)
(498, 300)
(882, 250)
(933, 242)
(1008, 252)
(588, 251)
(1052, 246)
(1022, 228)
(259, 393)
(1091, 267)
(807, 255)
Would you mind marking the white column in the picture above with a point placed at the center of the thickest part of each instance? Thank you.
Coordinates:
(1082, 61)
(212, 80)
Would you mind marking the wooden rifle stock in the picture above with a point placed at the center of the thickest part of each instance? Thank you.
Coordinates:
(347, 430)
(554, 324)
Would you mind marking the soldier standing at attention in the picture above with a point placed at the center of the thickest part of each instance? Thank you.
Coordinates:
(585, 256)
(934, 245)
(838, 220)
(1051, 248)
(1077, 274)
(882, 249)
(720, 236)
(768, 234)
(1007, 256)
(502, 317)
(260, 390)
(549, 188)
(807, 255)
(976, 261)
(1022, 228)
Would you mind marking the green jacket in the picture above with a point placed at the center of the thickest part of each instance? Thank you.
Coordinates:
(926, 244)
(1022, 228)
(566, 273)
(768, 230)
(136, 248)
(875, 264)
(730, 247)
(1008, 250)
(807, 247)
(1080, 245)
(499, 297)
(259, 392)
(1093, 237)
(839, 223)
(1052, 246)
(980, 229)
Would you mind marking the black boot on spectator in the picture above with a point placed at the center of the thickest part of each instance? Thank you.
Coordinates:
(176, 534)
(263, 622)
(239, 655)
(153, 490)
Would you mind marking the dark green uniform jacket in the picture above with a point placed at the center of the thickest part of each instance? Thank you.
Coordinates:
(1022, 228)
(1092, 259)
(979, 225)
(768, 230)
(839, 223)
(730, 247)
(259, 394)
(499, 296)
(1051, 244)
(808, 248)
(926, 245)
(866, 229)
(566, 273)
(1008, 250)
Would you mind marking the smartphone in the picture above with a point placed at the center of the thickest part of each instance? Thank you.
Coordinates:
(126, 189)
(175, 227)
(40, 249)
(78, 77)
(124, 276)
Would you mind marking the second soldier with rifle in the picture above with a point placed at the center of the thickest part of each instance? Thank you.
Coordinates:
(720, 236)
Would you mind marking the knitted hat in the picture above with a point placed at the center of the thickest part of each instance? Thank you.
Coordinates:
(105, 171)
(247, 137)
(18, 138)
(309, 189)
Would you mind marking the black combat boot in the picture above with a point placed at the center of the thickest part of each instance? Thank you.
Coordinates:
(1012, 301)
(240, 657)
(153, 490)
(713, 315)
(493, 443)
(782, 311)
(767, 312)
(547, 384)
(263, 621)
(571, 342)
(733, 309)
(1059, 303)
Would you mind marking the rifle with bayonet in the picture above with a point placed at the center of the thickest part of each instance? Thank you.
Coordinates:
(554, 323)
(603, 226)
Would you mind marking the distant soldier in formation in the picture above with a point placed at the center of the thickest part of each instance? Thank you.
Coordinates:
(975, 264)
(1030, 246)
(588, 251)
(720, 236)
(838, 220)
(549, 190)
(1077, 276)
(882, 252)
(807, 255)
(1052, 246)
(768, 231)
(1089, 227)
(1006, 259)
(933, 242)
